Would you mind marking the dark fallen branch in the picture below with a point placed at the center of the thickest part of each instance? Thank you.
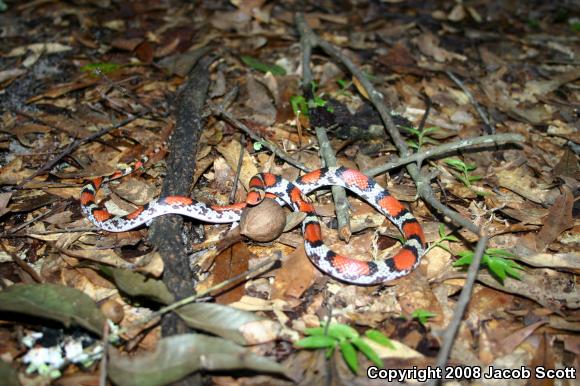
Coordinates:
(166, 231)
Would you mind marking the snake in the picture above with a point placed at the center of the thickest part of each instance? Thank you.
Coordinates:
(294, 194)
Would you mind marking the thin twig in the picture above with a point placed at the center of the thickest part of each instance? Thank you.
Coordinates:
(77, 143)
(489, 129)
(462, 302)
(23, 265)
(341, 206)
(267, 144)
(190, 299)
(443, 149)
(238, 168)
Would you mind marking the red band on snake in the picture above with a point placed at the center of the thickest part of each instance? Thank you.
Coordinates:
(341, 267)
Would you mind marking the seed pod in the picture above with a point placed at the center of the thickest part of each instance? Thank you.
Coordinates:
(263, 222)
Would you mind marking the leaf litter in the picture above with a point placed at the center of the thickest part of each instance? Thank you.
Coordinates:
(117, 67)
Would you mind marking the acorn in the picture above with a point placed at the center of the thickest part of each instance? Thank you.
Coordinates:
(263, 222)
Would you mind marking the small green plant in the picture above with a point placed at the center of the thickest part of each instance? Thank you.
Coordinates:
(422, 315)
(442, 237)
(103, 68)
(348, 340)
(256, 64)
(423, 137)
(344, 86)
(301, 106)
(464, 169)
(496, 261)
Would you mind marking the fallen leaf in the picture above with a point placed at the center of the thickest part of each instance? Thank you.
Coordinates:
(179, 355)
(55, 302)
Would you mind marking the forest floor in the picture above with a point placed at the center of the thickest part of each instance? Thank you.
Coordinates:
(466, 112)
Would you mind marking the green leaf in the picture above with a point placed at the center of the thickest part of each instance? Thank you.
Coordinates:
(105, 68)
(380, 338)
(367, 350)
(134, 284)
(575, 26)
(422, 315)
(55, 302)
(258, 146)
(412, 130)
(256, 64)
(342, 331)
(459, 165)
(432, 129)
(466, 257)
(314, 331)
(349, 354)
(497, 269)
(441, 231)
(451, 238)
(316, 341)
(342, 83)
(299, 105)
(179, 355)
(499, 252)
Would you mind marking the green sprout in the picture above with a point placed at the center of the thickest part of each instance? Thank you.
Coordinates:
(442, 237)
(422, 315)
(256, 64)
(464, 170)
(348, 340)
(496, 261)
(100, 68)
(302, 106)
(423, 137)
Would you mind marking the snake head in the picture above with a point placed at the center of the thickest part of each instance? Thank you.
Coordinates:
(255, 196)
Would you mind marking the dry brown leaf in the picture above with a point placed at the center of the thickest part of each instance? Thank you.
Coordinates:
(229, 263)
(296, 275)
(231, 152)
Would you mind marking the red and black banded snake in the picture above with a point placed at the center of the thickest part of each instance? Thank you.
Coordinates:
(292, 193)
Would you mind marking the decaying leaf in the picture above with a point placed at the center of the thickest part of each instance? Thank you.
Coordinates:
(240, 326)
(179, 355)
(50, 301)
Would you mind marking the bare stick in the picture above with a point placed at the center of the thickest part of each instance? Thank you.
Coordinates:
(462, 302)
(267, 144)
(443, 149)
(489, 129)
(341, 206)
(238, 168)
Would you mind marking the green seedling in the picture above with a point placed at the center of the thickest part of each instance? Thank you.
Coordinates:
(302, 106)
(442, 237)
(263, 67)
(423, 137)
(464, 169)
(497, 262)
(100, 68)
(348, 340)
(422, 315)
